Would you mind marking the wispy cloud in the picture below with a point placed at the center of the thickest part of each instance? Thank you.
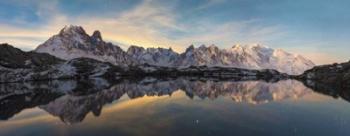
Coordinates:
(141, 25)
(148, 24)
(209, 4)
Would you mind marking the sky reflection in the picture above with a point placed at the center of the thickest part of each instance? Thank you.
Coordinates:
(178, 114)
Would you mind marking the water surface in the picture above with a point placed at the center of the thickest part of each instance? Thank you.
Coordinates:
(171, 107)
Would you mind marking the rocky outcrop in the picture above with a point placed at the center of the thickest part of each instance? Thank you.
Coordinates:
(19, 66)
(11, 57)
(335, 75)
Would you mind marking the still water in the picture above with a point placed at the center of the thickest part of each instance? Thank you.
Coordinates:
(171, 107)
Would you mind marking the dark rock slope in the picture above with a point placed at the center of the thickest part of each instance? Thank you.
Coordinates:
(11, 57)
(19, 66)
(334, 76)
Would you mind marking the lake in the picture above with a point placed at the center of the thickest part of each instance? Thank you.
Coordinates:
(179, 106)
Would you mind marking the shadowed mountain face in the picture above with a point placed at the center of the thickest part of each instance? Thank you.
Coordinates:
(20, 66)
(11, 57)
(72, 100)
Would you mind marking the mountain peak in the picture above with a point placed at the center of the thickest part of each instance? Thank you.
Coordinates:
(190, 48)
(73, 42)
(97, 35)
(213, 46)
(237, 46)
(7, 47)
(72, 29)
(4, 44)
(249, 46)
(203, 46)
(260, 46)
(133, 49)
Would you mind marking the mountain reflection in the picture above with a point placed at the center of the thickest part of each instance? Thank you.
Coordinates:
(72, 100)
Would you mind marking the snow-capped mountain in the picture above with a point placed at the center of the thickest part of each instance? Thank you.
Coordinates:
(153, 56)
(247, 56)
(210, 56)
(73, 42)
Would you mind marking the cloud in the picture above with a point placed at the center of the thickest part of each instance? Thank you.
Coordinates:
(139, 26)
(210, 3)
(148, 24)
(151, 14)
(233, 32)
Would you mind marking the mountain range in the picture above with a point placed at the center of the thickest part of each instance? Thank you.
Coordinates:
(73, 42)
(19, 66)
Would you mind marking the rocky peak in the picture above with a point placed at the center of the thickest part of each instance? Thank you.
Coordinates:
(170, 49)
(190, 48)
(11, 57)
(237, 46)
(71, 29)
(6, 46)
(73, 42)
(213, 49)
(7, 50)
(135, 50)
(257, 46)
(153, 56)
(202, 47)
(213, 46)
(280, 52)
(159, 50)
(97, 36)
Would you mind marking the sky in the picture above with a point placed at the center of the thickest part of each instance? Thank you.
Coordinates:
(316, 29)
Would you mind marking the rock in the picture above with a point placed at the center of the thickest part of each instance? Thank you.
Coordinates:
(336, 75)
